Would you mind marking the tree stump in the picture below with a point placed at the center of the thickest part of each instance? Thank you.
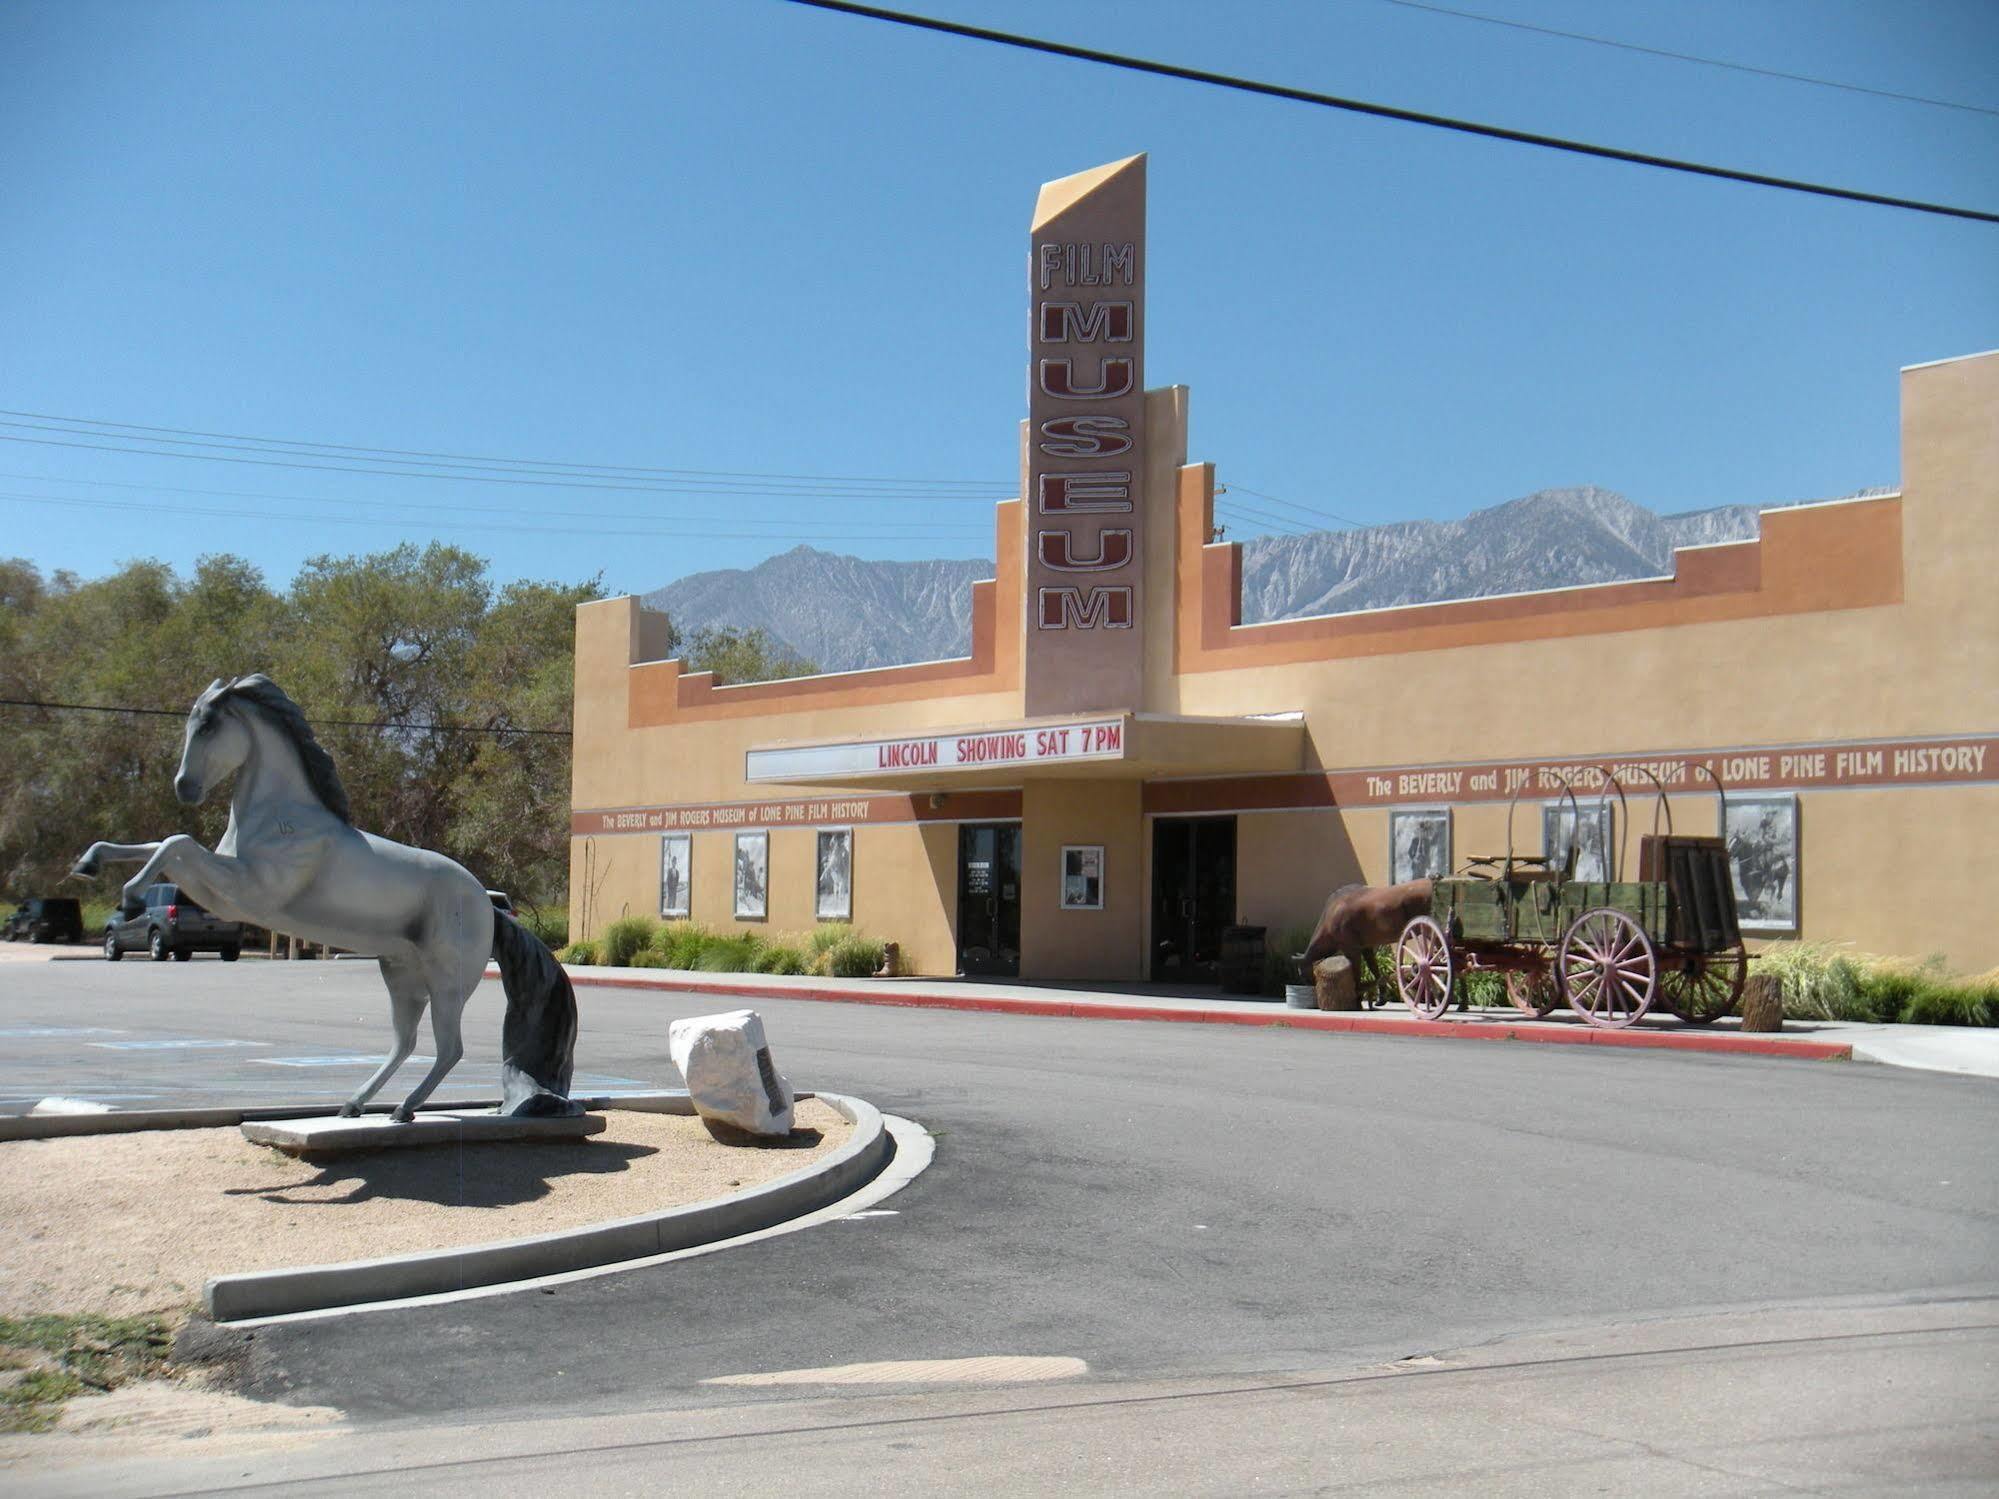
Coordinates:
(1762, 1003)
(1333, 980)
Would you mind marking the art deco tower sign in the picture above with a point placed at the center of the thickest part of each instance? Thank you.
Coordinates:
(1086, 442)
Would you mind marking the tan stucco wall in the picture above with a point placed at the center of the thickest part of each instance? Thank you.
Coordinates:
(1893, 870)
(1105, 944)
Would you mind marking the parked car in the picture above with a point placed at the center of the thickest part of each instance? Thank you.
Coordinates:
(168, 923)
(51, 919)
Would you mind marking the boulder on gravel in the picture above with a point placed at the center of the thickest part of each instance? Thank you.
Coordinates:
(729, 1072)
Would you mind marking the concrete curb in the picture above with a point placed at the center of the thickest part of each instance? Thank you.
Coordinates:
(231, 1298)
(1356, 1022)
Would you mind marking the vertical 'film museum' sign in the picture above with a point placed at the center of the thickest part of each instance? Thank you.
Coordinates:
(1086, 441)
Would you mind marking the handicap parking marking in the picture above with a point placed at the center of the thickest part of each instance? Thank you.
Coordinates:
(40, 1032)
(609, 1085)
(176, 1044)
(347, 1061)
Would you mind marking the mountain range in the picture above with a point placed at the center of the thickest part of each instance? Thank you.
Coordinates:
(847, 613)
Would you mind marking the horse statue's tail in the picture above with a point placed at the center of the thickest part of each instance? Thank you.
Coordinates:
(538, 1038)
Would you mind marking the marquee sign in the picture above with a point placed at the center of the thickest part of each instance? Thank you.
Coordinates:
(1029, 744)
(1085, 445)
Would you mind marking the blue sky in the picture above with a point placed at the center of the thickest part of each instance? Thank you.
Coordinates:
(742, 236)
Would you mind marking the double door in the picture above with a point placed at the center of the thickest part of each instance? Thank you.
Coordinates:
(989, 899)
(1193, 897)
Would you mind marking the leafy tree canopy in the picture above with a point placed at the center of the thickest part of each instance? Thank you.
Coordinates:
(416, 638)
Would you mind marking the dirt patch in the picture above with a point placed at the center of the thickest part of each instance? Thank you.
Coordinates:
(122, 1225)
(163, 1417)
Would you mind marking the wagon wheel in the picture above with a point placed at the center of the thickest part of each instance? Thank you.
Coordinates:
(1423, 967)
(1532, 993)
(1708, 987)
(1608, 968)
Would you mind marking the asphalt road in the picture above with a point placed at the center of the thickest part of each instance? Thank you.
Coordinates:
(1206, 1205)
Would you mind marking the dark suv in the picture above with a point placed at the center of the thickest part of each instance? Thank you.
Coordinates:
(170, 923)
(56, 919)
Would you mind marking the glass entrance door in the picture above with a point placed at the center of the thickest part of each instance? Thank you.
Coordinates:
(989, 899)
(1193, 896)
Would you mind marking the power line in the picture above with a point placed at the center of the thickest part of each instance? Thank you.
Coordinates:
(1289, 527)
(393, 473)
(78, 503)
(1345, 520)
(516, 463)
(1712, 62)
(324, 723)
(928, 528)
(1390, 112)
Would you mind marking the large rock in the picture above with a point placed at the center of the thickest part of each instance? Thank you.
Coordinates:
(729, 1073)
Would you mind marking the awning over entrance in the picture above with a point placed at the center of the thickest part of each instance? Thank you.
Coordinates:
(1117, 746)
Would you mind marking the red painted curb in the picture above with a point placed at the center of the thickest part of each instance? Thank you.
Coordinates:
(1305, 1020)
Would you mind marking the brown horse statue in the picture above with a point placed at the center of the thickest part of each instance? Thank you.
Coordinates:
(1360, 918)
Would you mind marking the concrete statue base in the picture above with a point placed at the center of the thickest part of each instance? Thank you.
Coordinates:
(330, 1134)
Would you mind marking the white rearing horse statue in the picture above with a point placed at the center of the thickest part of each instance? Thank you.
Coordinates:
(292, 860)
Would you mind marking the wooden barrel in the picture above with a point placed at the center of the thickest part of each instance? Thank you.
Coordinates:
(1242, 959)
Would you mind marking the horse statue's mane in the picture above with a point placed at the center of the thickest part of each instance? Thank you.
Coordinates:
(261, 692)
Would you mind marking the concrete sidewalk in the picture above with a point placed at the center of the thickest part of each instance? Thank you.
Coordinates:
(1931, 1048)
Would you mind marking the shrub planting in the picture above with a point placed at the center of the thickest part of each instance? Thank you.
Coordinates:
(784, 957)
(625, 936)
(647, 957)
(855, 957)
(1822, 982)
(679, 944)
(735, 953)
(583, 953)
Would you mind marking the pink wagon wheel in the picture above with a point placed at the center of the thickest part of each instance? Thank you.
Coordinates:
(1423, 967)
(1534, 993)
(1608, 968)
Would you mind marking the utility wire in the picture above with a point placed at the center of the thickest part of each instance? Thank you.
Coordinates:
(1389, 112)
(894, 528)
(324, 723)
(1286, 525)
(1346, 520)
(1712, 62)
(535, 463)
(78, 503)
(393, 473)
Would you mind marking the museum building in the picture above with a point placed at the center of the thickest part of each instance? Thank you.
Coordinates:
(1121, 769)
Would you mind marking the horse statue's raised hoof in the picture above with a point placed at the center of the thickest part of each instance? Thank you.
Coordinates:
(350, 1111)
(84, 868)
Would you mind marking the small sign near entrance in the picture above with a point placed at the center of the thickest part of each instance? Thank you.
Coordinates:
(1083, 877)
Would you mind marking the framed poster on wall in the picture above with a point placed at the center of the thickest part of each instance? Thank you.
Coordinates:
(752, 876)
(676, 876)
(833, 889)
(1762, 837)
(1419, 844)
(1083, 877)
(1593, 834)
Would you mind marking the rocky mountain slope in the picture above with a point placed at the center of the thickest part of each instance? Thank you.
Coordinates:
(842, 612)
(846, 613)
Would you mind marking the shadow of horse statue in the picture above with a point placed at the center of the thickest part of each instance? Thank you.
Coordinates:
(1360, 918)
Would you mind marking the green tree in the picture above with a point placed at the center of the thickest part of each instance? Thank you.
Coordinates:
(511, 823)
